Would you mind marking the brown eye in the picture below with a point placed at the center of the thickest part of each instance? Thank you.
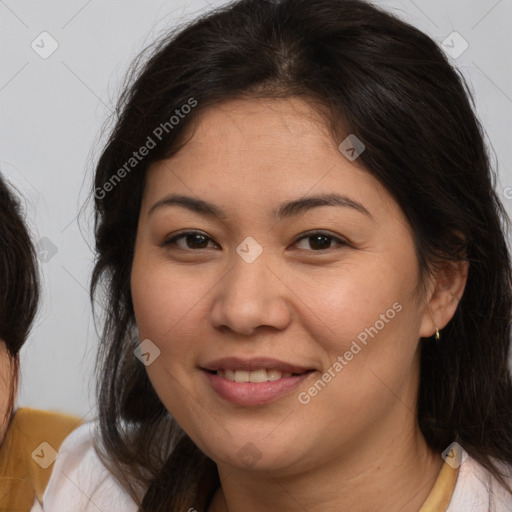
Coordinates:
(192, 240)
(320, 241)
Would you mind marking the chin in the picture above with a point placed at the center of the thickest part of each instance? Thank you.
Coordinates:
(251, 452)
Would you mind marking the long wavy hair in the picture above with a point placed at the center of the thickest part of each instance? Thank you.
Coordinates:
(390, 85)
(19, 283)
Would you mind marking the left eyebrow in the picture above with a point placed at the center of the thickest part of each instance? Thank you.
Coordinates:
(297, 206)
(287, 209)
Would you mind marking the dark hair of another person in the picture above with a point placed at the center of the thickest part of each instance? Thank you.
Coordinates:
(371, 75)
(19, 282)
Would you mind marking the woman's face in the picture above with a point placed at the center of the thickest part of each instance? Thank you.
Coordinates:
(302, 264)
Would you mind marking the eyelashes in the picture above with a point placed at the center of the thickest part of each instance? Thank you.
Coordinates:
(319, 238)
(318, 241)
(188, 235)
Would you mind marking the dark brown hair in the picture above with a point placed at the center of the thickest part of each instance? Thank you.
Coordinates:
(391, 86)
(19, 281)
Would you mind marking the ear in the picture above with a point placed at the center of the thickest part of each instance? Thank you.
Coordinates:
(448, 283)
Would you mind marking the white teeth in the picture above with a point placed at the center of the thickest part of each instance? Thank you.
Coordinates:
(274, 375)
(260, 375)
(241, 376)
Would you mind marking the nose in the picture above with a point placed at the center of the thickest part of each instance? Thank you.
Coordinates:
(250, 296)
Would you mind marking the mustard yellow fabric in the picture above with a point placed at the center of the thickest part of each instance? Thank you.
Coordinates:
(441, 494)
(29, 445)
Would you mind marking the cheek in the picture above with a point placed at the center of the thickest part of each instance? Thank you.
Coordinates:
(373, 322)
(166, 303)
(359, 301)
(368, 335)
(171, 307)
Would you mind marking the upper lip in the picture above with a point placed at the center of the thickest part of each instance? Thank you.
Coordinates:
(256, 363)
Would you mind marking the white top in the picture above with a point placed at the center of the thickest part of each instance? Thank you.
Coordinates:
(36, 507)
(80, 483)
(477, 490)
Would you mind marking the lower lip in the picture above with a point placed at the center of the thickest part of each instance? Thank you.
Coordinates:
(254, 393)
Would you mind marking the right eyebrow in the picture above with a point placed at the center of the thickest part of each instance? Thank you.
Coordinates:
(191, 203)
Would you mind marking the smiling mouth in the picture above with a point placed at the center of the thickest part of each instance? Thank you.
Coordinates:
(255, 376)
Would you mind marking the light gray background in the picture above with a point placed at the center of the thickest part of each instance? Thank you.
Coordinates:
(52, 111)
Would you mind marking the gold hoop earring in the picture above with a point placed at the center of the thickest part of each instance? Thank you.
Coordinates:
(437, 334)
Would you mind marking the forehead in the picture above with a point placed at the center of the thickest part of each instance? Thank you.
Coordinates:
(262, 151)
(285, 126)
